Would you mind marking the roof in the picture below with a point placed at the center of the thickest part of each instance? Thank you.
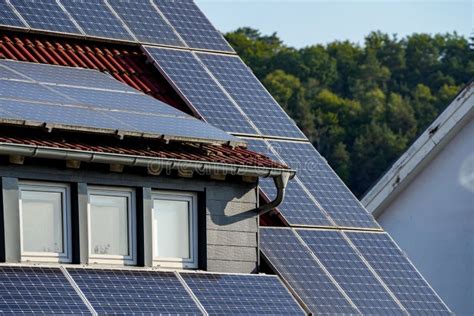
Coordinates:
(459, 112)
(125, 63)
(222, 155)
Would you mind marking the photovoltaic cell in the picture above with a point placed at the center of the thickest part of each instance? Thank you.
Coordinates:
(30, 91)
(35, 290)
(134, 292)
(95, 18)
(350, 272)
(45, 15)
(294, 263)
(145, 22)
(297, 206)
(66, 75)
(8, 16)
(192, 25)
(251, 96)
(228, 294)
(57, 115)
(136, 102)
(398, 273)
(324, 184)
(189, 128)
(188, 75)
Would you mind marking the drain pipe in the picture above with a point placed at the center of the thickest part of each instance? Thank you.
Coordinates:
(280, 182)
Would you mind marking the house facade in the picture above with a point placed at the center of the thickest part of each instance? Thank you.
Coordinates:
(426, 202)
(145, 169)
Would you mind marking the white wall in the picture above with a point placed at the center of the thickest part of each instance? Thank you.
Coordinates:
(432, 220)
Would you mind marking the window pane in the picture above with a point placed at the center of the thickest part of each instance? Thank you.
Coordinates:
(109, 225)
(171, 229)
(42, 223)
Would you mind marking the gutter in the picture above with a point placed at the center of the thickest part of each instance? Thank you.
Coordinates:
(280, 182)
(280, 175)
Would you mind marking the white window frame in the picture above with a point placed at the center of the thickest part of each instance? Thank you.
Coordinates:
(64, 189)
(180, 263)
(129, 193)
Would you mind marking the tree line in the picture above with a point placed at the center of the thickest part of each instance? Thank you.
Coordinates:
(360, 105)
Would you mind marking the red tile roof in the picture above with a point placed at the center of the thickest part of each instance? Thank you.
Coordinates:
(143, 148)
(127, 64)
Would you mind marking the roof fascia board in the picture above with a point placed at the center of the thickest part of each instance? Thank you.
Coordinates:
(421, 152)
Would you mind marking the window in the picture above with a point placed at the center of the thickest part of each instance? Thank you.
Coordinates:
(111, 215)
(174, 228)
(45, 217)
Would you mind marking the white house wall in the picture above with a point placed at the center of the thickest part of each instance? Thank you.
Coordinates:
(432, 219)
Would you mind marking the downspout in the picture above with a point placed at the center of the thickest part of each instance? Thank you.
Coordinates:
(280, 183)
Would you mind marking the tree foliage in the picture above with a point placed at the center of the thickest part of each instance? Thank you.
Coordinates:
(361, 106)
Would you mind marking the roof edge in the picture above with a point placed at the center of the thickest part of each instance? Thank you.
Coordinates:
(155, 163)
(425, 148)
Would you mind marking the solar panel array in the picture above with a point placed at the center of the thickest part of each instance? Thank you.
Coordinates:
(366, 270)
(35, 93)
(45, 14)
(34, 291)
(178, 23)
(226, 294)
(398, 273)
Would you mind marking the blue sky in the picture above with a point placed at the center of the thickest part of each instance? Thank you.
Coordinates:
(304, 22)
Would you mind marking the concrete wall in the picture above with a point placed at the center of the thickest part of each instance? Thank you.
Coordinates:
(432, 220)
(228, 227)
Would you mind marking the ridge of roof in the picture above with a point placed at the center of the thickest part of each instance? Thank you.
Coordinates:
(423, 149)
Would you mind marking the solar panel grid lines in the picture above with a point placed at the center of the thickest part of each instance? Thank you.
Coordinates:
(199, 89)
(303, 273)
(251, 96)
(145, 22)
(325, 186)
(192, 25)
(45, 15)
(350, 272)
(9, 16)
(398, 273)
(298, 205)
(96, 19)
(250, 294)
(78, 290)
(63, 75)
(116, 291)
(38, 290)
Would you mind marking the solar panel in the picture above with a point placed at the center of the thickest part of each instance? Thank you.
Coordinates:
(29, 91)
(294, 263)
(251, 96)
(145, 22)
(189, 128)
(192, 25)
(138, 292)
(324, 184)
(45, 15)
(232, 294)
(41, 113)
(66, 75)
(95, 18)
(35, 290)
(350, 272)
(8, 16)
(398, 273)
(297, 206)
(111, 100)
(188, 75)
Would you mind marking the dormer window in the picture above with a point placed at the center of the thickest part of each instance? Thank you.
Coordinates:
(174, 229)
(112, 226)
(45, 216)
